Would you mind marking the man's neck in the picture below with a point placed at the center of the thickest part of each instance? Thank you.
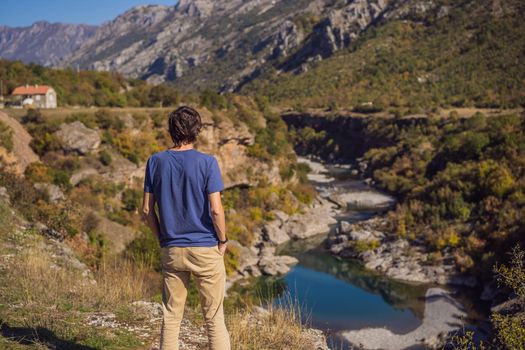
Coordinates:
(184, 147)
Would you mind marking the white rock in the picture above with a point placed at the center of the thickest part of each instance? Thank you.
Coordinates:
(272, 232)
(277, 265)
(77, 137)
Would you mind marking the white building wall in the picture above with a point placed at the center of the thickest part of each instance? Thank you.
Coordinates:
(51, 99)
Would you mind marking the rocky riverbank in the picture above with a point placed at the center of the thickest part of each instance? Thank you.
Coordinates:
(260, 259)
(369, 242)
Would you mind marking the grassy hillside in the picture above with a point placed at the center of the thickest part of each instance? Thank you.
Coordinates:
(50, 300)
(463, 53)
(87, 88)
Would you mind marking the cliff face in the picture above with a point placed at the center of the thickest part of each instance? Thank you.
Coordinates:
(229, 143)
(43, 42)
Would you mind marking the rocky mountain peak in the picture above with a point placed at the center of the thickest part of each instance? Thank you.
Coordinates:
(200, 8)
(43, 42)
(142, 16)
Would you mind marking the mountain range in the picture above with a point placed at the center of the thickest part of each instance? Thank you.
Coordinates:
(43, 42)
(227, 45)
(201, 42)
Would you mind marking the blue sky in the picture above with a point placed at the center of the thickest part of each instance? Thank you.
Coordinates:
(16, 13)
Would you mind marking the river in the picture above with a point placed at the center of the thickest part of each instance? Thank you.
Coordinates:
(340, 295)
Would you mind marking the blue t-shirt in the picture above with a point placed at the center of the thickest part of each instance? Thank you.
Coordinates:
(181, 182)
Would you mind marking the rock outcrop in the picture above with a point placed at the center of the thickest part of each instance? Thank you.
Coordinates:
(53, 191)
(229, 143)
(318, 218)
(393, 256)
(118, 236)
(22, 154)
(76, 137)
(261, 257)
(338, 30)
(276, 264)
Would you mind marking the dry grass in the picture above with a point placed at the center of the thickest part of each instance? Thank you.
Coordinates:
(278, 328)
(120, 282)
(42, 292)
(469, 112)
(38, 279)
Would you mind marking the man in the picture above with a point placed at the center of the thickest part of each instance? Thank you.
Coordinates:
(186, 185)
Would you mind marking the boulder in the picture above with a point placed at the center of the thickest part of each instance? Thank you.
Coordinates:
(337, 248)
(247, 261)
(128, 120)
(4, 195)
(317, 337)
(273, 233)
(280, 215)
(318, 219)
(118, 236)
(361, 235)
(76, 137)
(267, 250)
(344, 226)
(77, 177)
(277, 265)
(54, 192)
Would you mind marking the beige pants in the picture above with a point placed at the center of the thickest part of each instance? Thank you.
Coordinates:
(206, 264)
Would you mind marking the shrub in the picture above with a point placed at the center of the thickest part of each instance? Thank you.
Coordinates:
(159, 120)
(88, 119)
(33, 116)
(38, 172)
(6, 137)
(212, 100)
(105, 158)
(477, 122)
(364, 245)
(47, 143)
(106, 120)
(131, 199)
(144, 250)
(495, 179)
(136, 147)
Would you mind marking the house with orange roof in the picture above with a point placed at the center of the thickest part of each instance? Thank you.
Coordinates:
(36, 96)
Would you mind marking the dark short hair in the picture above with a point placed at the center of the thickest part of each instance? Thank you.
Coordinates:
(184, 124)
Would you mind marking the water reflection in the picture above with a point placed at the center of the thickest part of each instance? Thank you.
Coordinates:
(340, 295)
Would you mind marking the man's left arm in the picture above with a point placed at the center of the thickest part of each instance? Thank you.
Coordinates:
(149, 214)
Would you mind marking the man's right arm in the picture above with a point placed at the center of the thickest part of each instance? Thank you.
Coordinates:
(219, 220)
(149, 214)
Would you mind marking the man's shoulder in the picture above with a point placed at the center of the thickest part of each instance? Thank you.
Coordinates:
(195, 154)
(158, 155)
(204, 156)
